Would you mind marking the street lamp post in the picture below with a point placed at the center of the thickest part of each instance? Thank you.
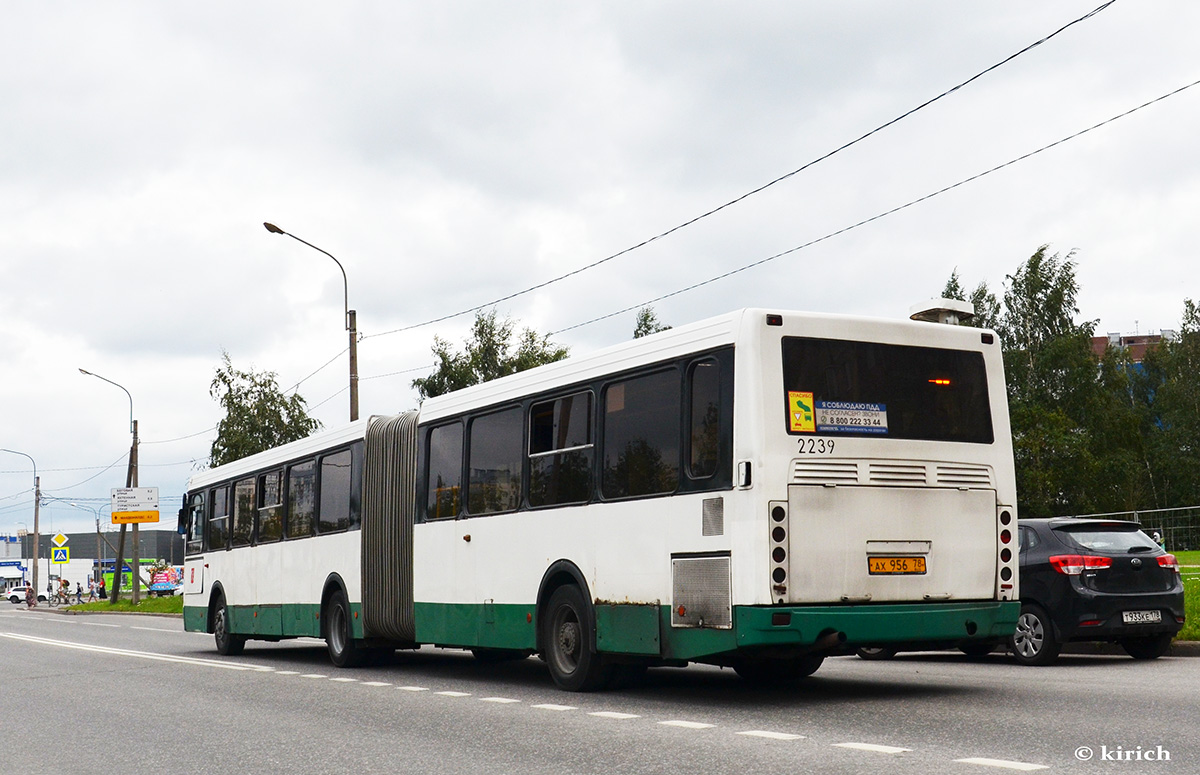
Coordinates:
(37, 499)
(131, 480)
(351, 320)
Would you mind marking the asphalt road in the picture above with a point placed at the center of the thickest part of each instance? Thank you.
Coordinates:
(91, 693)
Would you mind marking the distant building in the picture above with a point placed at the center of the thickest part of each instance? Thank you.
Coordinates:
(1137, 345)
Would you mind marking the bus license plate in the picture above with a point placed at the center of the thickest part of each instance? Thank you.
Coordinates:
(1142, 617)
(897, 565)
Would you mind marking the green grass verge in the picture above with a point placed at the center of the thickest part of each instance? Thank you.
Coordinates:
(1191, 594)
(148, 605)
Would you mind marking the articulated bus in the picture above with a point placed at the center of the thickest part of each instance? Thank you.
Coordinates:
(757, 490)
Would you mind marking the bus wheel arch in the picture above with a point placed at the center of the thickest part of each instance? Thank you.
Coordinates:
(219, 625)
(337, 626)
(562, 573)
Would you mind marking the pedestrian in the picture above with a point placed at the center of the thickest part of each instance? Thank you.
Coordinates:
(103, 594)
(30, 597)
(78, 593)
(91, 590)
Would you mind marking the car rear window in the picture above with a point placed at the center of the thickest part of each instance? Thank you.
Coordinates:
(1108, 538)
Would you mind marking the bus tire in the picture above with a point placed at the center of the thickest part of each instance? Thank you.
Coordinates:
(339, 636)
(765, 672)
(228, 644)
(566, 642)
(1034, 641)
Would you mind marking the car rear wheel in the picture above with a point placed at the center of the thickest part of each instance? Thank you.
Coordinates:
(1033, 642)
(876, 652)
(1148, 647)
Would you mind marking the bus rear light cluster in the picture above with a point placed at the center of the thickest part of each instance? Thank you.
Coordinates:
(1006, 568)
(779, 551)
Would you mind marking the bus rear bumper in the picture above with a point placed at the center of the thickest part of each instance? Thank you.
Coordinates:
(878, 624)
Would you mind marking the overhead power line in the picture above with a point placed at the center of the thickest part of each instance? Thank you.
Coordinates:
(884, 214)
(750, 193)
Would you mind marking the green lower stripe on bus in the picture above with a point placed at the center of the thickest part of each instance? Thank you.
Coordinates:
(289, 620)
(477, 625)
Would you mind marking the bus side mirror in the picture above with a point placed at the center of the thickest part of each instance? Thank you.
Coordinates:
(185, 523)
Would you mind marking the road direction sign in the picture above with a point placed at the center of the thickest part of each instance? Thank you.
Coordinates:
(134, 504)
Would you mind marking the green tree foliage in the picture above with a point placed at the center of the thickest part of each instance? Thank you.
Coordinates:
(1170, 392)
(257, 414)
(648, 323)
(489, 353)
(987, 308)
(1091, 434)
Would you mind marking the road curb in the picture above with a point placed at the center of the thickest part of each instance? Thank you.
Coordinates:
(1179, 648)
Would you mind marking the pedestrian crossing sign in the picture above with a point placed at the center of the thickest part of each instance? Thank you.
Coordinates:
(60, 555)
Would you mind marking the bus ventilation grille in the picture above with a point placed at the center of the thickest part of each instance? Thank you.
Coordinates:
(964, 476)
(713, 516)
(701, 592)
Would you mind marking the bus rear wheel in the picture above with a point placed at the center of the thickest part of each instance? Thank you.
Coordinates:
(228, 644)
(339, 636)
(574, 664)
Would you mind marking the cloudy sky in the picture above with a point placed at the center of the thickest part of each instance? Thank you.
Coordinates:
(450, 154)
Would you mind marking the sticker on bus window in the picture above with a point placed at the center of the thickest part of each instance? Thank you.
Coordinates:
(851, 417)
(801, 418)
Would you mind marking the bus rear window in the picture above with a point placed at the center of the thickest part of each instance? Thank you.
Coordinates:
(836, 387)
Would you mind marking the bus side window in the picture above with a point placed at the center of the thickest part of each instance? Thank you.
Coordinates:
(218, 520)
(560, 451)
(336, 475)
(244, 510)
(641, 435)
(494, 462)
(302, 480)
(270, 507)
(195, 535)
(444, 483)
(704, 426)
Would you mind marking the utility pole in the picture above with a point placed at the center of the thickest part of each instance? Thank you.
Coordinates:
(37, 500)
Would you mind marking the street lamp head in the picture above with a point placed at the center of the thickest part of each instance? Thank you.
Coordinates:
(273, 228)
(85, 371)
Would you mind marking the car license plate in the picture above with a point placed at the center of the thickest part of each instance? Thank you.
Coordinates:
(895, 565)
(1142, 617)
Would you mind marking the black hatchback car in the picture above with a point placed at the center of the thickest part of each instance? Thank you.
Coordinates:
(1094, 580)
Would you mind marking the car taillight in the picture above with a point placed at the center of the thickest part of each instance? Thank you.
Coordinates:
(1169, 561)
(1074, 564)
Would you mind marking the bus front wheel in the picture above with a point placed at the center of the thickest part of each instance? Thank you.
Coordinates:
(228, 644)
(339, 639)
(566, 643)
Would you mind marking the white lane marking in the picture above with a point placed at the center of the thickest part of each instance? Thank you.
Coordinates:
(311, 675)
(454, 694)
(344, 680)
(412, 688)
(771, 735)
(686, 724)
(136, 654)
(287, 672)
(552, 706)
(376, 683)
(501, 700)
(1022, 766)
(613, 714)
(102, 624)
(147, 629)
(872, 747)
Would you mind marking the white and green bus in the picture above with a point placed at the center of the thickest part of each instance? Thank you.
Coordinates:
(757, 490)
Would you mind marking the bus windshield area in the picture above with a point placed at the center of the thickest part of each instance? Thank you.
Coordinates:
(848, 388)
